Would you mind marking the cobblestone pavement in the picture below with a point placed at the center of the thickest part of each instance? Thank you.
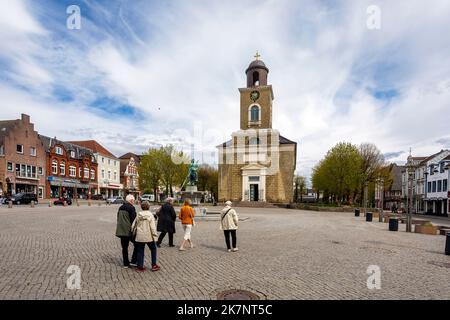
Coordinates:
(284, 254)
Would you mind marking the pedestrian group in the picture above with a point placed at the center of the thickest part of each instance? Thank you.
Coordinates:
(141, 229)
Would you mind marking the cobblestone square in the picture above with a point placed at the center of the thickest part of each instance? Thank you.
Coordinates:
(283, 254)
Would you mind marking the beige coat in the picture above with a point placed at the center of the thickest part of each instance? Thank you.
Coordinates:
(144, 227)
(230, 221)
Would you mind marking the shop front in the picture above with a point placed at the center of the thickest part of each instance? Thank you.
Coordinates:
(72, 188)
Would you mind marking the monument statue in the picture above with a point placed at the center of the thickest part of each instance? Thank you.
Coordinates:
(193, 175)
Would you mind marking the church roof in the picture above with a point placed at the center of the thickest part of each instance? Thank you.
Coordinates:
(257, 64)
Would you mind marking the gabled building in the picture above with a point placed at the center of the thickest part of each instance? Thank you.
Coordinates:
(71, 169)
(108, 176)
(129, 176)
(22, 158)
(437, 177)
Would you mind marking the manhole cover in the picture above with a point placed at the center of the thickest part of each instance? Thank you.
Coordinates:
(440, 264)
(237, 295)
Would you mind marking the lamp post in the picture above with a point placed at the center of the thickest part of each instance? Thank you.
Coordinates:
(381, 190)
(410, 173)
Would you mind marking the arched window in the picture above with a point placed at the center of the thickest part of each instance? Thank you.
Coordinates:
(54, 167)
(255, 78)
(62, 168)
(254, 113)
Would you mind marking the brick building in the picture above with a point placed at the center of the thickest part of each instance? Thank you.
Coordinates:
(257, 164)
(71, 169)
(22, 158)
(129, 176)
(108, 169)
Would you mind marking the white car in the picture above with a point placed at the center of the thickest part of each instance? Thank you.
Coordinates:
(148, 197)
(115, 200)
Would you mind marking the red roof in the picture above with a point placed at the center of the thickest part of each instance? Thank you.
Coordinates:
(94, 146)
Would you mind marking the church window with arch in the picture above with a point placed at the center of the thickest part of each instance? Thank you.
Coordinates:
(254, 114)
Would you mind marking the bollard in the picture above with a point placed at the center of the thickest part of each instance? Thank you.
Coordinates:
(65, 203)
(32, 204)
(10, 204)
(447, 244)
(369, 216)
(393, 224)
(357, 212)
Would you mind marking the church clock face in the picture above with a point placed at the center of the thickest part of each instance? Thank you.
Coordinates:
(254, 95)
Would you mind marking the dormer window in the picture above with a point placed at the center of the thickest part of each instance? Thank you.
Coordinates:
(72, 154)
(59, 150)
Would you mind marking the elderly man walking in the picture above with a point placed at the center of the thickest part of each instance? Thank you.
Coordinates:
(125, 218)
(166, 222)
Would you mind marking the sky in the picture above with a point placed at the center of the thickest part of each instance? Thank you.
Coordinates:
(140, 74)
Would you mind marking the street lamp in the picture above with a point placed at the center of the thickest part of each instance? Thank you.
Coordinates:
(410, 173)
(381, 190)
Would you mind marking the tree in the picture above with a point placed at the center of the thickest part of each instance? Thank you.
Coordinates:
(339, 173)
(208, 178)
(372, 163)
(150, 171)
(300, 185)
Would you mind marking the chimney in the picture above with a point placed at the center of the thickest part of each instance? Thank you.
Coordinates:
(25, 118)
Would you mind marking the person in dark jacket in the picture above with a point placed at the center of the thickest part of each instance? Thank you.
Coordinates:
(166, 222)
(125, 218)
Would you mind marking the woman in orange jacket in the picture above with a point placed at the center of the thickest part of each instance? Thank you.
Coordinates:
(187, 219)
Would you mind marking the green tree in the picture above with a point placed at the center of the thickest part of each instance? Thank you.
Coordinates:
(208, 178)
(300, 185)
(372, 164)
(150, 171)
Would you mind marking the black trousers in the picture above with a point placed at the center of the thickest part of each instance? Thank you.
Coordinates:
(125, 242)
(163, 234)
(227, 234)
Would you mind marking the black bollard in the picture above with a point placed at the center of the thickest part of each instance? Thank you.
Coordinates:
(369, 216)
(393, 224)
(357, 212)
(447, 244)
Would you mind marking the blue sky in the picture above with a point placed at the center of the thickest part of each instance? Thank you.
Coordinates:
(145, 73)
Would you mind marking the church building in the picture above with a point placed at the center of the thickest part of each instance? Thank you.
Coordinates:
(257, 164)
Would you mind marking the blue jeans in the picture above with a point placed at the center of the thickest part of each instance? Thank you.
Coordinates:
(141, 252)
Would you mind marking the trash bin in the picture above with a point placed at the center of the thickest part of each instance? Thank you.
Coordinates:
(393, 224)
(369, 216)
(357, 212)
(447, 244)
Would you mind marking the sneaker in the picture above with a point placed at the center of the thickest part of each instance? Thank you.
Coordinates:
(141, 269)
(192, 245)
(229, 250)
(235, 249)
(133, 265)
(156, 267)
(182, 249)
(171, 245)
(125, 267)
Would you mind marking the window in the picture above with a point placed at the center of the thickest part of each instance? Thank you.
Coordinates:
(86, 173)
(73, 171)
(109, 175)
(103, 160)
(254, 113)
(10, 166)
(109, 161)
(33, 151)
(115, 162)
(429, 187)
(62, 168)
(92, 174)
(72, 154)
(253, 179)
(40, 171)
(444, 185)
(58, 150)
(255, 78)
(2, 151)
(54, 167)
(253, 141)
(434, 186)
(79, 172)
(442, 167)
(19, 148)
(115, 175)
(103, 174)
(439, 186)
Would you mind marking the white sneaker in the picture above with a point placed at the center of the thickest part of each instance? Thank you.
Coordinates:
(235, 249)
(133, 265)
(229, 250)
(182, 249)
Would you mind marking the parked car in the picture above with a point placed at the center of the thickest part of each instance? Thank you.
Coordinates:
(60, 201)
(148, 197)
(98, 197)
(24, 198)
(115, 200)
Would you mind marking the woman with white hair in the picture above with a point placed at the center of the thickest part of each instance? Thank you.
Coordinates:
(229, 225)
(166, 222)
